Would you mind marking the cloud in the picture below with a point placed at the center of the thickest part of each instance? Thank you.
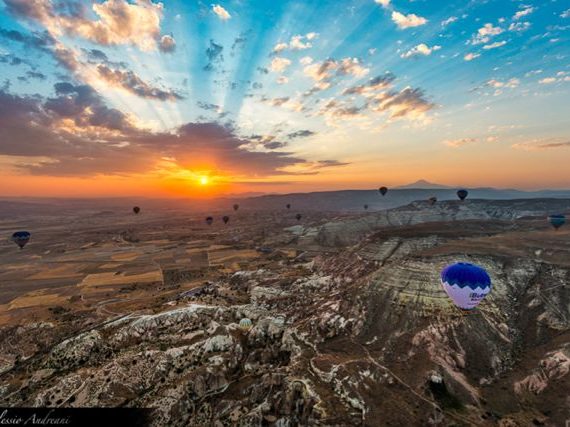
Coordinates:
(36, 40)
(279, 64)
(306, 60)
(456, 143)
(372, 87)
(471, 56)
(167, 44)
(12, 60)
(239, 41)
(214, 55)
(519, 27)
(410, 103)
(421, 49)
(82, 137)
(524, 12)
(301, 134)
(448, 21)
(282, 80)
(133, 84)
(298, 42)
(285, 102)
(494, 45)
(320, 164)
(511, 83)
(96, 57)
(407, 21)
(336, 112)
(33, 75)
(323, 73)
(485, 33)
(221, 13)
(547, 80)
(542, 145)
(565, 14)
(118, 22)
(383, 3)
(211, 107)
(351, 66)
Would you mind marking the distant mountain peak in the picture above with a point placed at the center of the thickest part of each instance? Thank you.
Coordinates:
(423, 184)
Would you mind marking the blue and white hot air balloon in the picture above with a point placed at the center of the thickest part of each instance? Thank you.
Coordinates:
(466, 284)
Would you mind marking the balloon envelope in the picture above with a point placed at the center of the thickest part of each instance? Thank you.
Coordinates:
(365, 207)
(298, 216)
(288, 205)
(383, 190)
(466, 284)
(245, 324)
(236, 207)
(209, 220)
(226, 219)
(462, 194)
(21, 238)
(136, 209)
(557, 221)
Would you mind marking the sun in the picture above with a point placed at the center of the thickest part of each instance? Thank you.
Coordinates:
(204, 180)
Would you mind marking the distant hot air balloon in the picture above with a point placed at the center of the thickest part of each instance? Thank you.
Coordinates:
(466, 284)
(21, 238)
(298, 216)
(209, 220)
(225, 219)
(245, 324)
(557, 221)
(383, 190)
(432, 200)
(136, 209)
(462, 194)
(288, 205)
(365, 207)
(236, 207)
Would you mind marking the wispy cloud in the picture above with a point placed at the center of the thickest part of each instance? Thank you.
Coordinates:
(542, 145)
(494, 45)
(279, 64)
(485, 33)
(220, 12)
(456, 143)
(522, 13)
(407, 21)
(421, 49)
(297, 42)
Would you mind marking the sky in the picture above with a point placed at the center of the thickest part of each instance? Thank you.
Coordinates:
(195, 99)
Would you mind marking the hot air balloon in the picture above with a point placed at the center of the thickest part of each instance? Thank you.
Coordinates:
(225, 218)
(432, 200)
(466, 284)
(383, 190)
(245, 324)
(288, 205)
(298, 216)
(21, 238)
(209, 220)
(365, 207)
(557, 221)
(462, 194)
(136, 209)
(236, 207)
